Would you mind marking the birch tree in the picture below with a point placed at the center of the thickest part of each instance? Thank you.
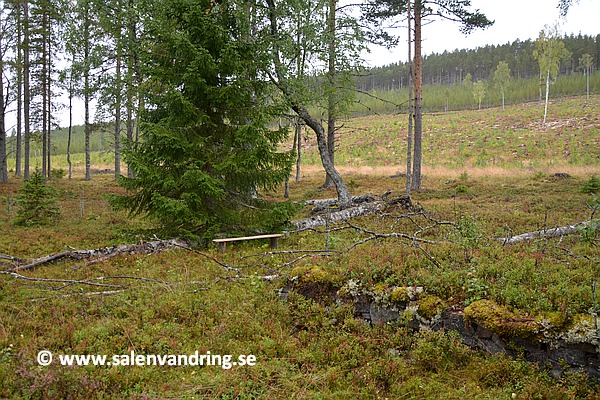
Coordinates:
(501, 77)
(280, 55)
(586, 62)
(479, 92)
(549, 51)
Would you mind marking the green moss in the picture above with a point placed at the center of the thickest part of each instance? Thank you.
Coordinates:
(501, 320)
(311, 274)
(380, 289)
(558, 321)
(399, 295)
(430, 306)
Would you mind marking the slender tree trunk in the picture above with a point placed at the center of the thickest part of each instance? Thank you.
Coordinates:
(129, 122)
(86, 94)
(19, 150)
(418, 66)
(588, 70)
(49, 100)
(541, 86)
(70, 129)
(87, 128)
(3, 155)
(547, 91)
(26, 90)
(298, 134)
(118, 96)
(71, 90)
(344, 198)
(331, 95)
(45, 172)
(409, 136)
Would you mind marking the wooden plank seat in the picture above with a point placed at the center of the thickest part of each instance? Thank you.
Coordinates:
(273, 236)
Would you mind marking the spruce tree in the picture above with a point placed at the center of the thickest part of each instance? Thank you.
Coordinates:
(206, 146)
(36, 202)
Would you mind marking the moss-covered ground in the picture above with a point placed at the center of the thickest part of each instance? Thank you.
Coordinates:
(187, 302)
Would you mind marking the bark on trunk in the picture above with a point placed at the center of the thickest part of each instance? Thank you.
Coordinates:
(26, 90)
(118, 110)
(348, 213)
(409, 135)
(344, 197)
(19, 150)
(298, 148)
(547, 91)
(548, 233)
(3, 163)
(331, 96)
(418, 65)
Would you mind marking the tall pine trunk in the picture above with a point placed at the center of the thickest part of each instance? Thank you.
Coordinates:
(409, 135)
(19, 149)
(118, 97)
(418, 66)
(26, 90)
(3, 155)
(86, 92)
(45, 172)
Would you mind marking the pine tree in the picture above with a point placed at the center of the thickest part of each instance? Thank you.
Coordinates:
(207, 146)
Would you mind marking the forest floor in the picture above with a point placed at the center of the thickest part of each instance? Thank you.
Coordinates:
(487, 175)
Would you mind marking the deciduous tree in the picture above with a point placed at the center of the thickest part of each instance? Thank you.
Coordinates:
(549, 51)
(586, 62)
(501, 77)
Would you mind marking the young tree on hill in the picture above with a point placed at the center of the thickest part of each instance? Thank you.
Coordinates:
(501, 77)
(549, 51)
(586, 62)
(207, 144)
(479, 92)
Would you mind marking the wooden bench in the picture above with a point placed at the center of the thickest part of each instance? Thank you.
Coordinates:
(273, 236)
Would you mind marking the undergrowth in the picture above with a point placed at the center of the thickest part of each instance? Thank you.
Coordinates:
(182, 301)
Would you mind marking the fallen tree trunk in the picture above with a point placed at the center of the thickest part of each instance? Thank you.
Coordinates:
(548, 233)
(348, 213)
(102, 254)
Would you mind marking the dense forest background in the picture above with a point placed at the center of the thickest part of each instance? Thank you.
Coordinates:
(451, 68)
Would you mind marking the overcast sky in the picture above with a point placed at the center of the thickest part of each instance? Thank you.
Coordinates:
(514, 19)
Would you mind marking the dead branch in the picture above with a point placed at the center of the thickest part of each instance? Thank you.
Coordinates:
(104, 293)
(547, 233)
(54, 280)
(102, 254)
